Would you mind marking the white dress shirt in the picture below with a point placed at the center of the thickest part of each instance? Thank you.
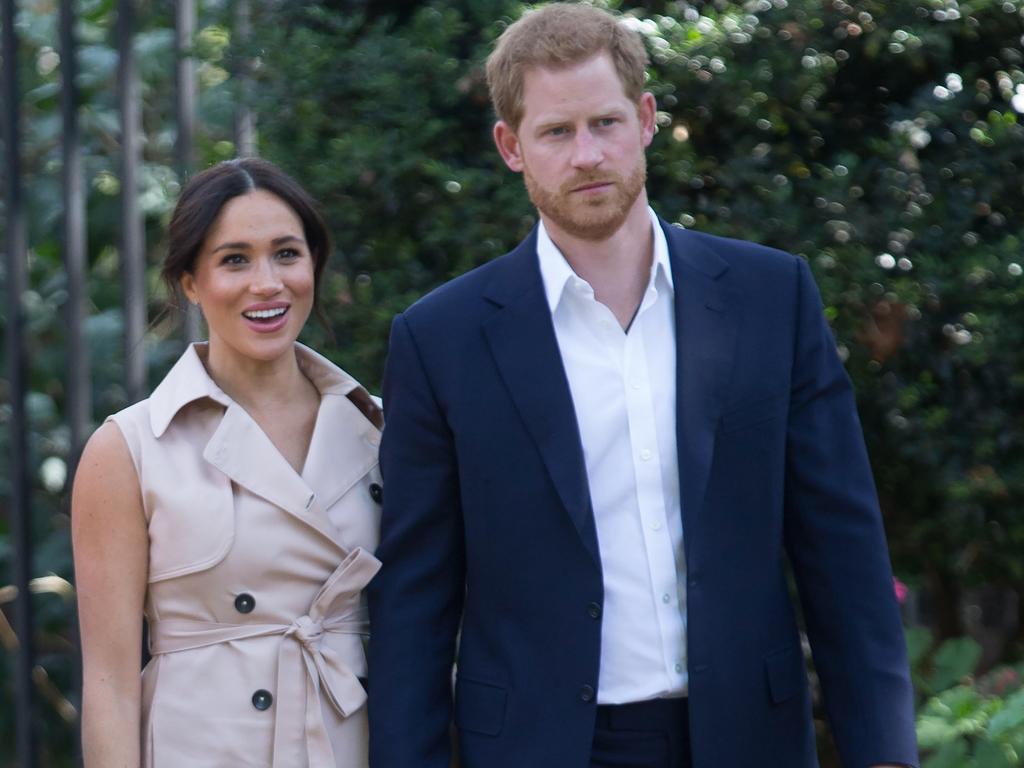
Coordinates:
(623, 387)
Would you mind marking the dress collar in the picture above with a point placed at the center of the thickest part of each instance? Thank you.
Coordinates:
(188, 381)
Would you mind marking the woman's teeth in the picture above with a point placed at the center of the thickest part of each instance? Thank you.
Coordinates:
(265, 314)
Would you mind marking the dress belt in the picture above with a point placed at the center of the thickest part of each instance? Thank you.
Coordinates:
(335, 610)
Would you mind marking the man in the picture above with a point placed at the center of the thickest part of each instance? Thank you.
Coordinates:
(601, 451)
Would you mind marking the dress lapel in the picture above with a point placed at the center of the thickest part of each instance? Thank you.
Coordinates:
(706, 323)
(243, 452)
(343, 447)
(342, 450)
(522, 339)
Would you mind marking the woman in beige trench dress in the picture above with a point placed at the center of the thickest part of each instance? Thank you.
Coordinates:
(236, 508)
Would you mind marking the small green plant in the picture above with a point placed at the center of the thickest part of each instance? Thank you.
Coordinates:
(964, 721)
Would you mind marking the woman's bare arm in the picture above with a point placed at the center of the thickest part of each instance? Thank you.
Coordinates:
(111, 547)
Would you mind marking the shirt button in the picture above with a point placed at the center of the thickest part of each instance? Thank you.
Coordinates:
(262, 699)
(587, 693)
(646, 454)
(666, 598)
(679, 668)
(244, 603)
(594, 610)
(376, 492)
(635, 384)
(656, 525)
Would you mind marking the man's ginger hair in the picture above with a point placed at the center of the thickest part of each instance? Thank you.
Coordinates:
(557, 36)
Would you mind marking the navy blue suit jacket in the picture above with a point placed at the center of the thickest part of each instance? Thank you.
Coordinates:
(487, 526)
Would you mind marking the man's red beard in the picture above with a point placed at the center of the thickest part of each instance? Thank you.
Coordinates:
(592, 219)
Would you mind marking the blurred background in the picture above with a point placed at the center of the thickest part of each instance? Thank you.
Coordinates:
(880, 140)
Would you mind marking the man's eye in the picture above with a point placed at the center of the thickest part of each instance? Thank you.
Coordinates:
(559, 131)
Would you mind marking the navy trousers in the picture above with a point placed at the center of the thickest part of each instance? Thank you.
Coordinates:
(647, 734)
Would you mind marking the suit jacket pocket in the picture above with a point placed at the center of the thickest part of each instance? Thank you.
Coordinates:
(750, 414)
(479, 706)
(785, 671)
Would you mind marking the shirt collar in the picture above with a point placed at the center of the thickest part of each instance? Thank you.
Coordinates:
(555, 271)
(189, 381)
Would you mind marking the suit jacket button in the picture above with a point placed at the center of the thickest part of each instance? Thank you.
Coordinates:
(587, 693)
(376, 492)
(594, 610)
(244, 603)
(262, 699)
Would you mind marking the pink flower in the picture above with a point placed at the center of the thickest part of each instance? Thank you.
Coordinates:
(900, 589)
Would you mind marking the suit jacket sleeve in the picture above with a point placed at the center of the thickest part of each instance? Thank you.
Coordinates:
(416, 599)
(836, 544)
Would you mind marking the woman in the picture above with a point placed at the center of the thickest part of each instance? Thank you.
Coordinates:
(236, 508)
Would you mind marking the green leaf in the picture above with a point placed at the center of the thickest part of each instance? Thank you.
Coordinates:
(1009, 718)
(955, 660)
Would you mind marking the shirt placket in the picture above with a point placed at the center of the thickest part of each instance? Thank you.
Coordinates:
(647, 464)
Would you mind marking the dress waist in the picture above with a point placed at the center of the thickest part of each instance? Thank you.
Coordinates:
(304, 661)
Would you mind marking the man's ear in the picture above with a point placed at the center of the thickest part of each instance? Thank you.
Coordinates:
(508, 145)
(647, 111)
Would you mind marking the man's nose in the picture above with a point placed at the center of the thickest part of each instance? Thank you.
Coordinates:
(586, 150)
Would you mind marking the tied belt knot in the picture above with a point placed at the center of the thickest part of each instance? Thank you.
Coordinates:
(307, 631)
(308, 669)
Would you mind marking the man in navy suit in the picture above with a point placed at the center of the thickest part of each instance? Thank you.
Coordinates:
(605, 452)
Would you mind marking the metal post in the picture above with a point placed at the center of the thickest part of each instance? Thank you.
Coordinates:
(19, 507)
(78, 377)
(245, 126)
(79, 384)
(133, 260)
(184, 32)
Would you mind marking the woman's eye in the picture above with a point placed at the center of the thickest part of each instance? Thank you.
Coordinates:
(233, 259)
(288, 253)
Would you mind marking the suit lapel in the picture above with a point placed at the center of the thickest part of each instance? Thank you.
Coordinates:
(522, 339)
(706, 323)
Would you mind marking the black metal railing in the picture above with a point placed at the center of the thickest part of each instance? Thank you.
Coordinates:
(19, 510)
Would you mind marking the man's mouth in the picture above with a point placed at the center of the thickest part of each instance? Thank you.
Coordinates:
(593, 186)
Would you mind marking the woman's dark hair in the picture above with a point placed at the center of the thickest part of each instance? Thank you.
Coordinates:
(205, 195)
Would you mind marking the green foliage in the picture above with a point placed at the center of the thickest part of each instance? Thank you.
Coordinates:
(964, 722)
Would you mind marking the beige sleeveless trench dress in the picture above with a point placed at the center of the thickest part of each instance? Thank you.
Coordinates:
(254, 606)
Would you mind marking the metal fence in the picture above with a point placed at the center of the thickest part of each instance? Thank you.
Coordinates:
(132, 265)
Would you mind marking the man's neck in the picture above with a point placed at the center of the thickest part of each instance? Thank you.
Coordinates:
(617, 268)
